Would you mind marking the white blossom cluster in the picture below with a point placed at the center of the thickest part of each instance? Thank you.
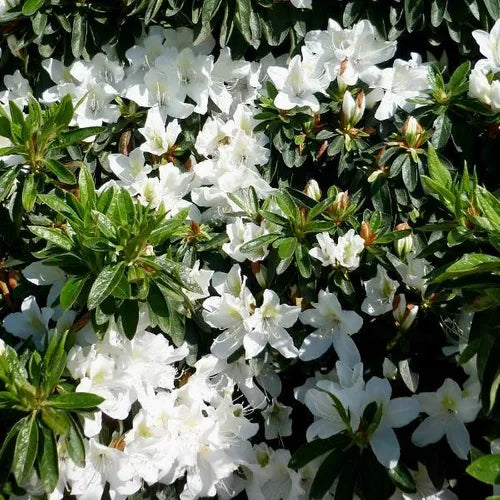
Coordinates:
(201, 424)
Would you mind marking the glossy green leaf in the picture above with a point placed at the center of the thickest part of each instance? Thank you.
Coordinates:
(26, 449)
(104, 284)
(486, 469)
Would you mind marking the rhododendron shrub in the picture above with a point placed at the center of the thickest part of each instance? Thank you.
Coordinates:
(249, 249)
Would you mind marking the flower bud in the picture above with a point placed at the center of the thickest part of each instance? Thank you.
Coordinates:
(2, 347)
(338, 207)
(495, 96)
(260, 273)
(367, 234)
(389, 369)
(413, 132)
(352, 110)
(404, 313)
(312, 190)
(403, 245)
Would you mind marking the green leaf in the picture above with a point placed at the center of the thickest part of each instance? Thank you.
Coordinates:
(104, 284)
(414, 10)
(399, 164)
(402, 478)
(486, 469)
(314, 449)
(410, 175)
(64, 112)
(259, 242)
(31, 6)
(246, 22)
(303, 260)
(326, 475)
(287, 247)
(75, 136)
(71, 290)
(29, 193)
(437, 170)
(435, 77)
(86, 187)
(7, 181)
(493, 7)
(442, 131)
(26, 449)
(287, 205)
(78, 35)
(48, 461)
(472, 263)
(60, 171)
(75, 401)
(57, 420)
(75, 443)
(458, 80)
(55, 236)
(438, 8)
(128, 314)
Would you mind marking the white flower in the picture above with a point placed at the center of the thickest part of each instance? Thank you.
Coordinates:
(395, 87)
(240, 233)
(129, 169)
(296, 86)
(396, 413)
(158, 138)
(160, 89)
(348, 250)
(426, 489)
(333, 326)
(229, 311)
(96, 107)
(489, 45)
(486, 92)
(380, 292)
(269, 478)
(18, 89)
(325, 252)
(353, 109)
(349, 52)
(104, 464)
(267, 326)
(448, 410)
(30, 322)
(413, 272)
(277, 422)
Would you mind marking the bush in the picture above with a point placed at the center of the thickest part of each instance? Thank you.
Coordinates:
(249, 249)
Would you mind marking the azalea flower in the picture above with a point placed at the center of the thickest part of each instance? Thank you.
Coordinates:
(380, 292)
(239, 233)
(448, 410)
(296, 86)
(489, 45)
(348, 250)
(267, 325)
(277, 422)
(325, 252)
(333, 327)
(129, 169)
(486, 92)
(159, 139)
(395, 87)
(396, 413)
(412, 272)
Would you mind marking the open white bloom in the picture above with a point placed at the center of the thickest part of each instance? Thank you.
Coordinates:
(267, 326)
(30, 322)
(486, 92)
(448, 410)
(395, 87)
(412, 272)
(104, 464)
(333, 326)
(396, 413)
(489, 45)
(348, 250)
(18, 89)
(129, 169)
(325, 251)
(229, 311)
(269, 478)
(159, 139)
(380, 292)
(277, 422)
(239, 233)
(296, 85)
(349, 52)
(96, 107)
